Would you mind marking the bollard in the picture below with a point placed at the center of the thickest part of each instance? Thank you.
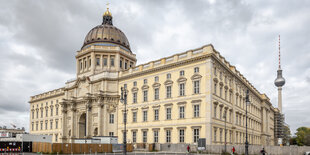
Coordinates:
(105, 153)
(96, 153)
(57, 153)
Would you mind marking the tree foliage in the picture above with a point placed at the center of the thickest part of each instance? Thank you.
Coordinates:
(302, 136)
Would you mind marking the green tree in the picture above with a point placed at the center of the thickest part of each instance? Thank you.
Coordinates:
(303, 136)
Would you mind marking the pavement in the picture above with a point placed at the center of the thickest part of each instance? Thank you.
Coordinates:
(129, 153)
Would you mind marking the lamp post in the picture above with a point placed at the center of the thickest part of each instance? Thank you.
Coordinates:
(225, 130)
(247, 100)
(124, 100)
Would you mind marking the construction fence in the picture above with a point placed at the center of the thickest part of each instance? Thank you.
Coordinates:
(68, 148)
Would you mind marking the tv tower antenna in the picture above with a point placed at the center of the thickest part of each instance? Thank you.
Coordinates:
(279, 81)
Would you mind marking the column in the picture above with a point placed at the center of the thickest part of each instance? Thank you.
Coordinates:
(64, 121)
(88, 119)
(73, 122)
(100, 106)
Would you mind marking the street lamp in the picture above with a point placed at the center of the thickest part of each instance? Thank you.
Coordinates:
(225, 129)
(247, 100)
(124, 100)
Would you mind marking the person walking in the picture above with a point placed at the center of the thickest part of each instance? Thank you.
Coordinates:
(263, 152)
(233, 150)
(188, 148)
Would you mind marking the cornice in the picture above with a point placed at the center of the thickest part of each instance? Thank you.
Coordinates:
(48, 97)
(167, 66)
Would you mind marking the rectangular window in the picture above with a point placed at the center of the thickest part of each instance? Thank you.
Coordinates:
(215, 135)
(81, 65)
(168, 76)
(105, 61)
(111, 120)
(156, 94)
(134, 97)
(111, 134)
(196, 70)
(37, 112)
(56, 123)
(221, 88)
(134, 117)
(155, 136)
(41, 125)
(144, 135)
(135, 83)
(181, 136)
(131, 64)
(145, 81)
(145, 95)
(56, 137)
(168, 136)
(144, 116)
(214, 111)
(156, 78)
(32, 114)
(168, 113)
(46, 112)
(37, 126)
(221, 135)
(121, 63)
(57, 110)
(215, 87)
(196, 110)
(98, 61)
(168, 91)
(51, 111)
(134, 136)
(221, 112)
(182, 73)
(126, 64)
(196, 135)
(182, 89)
(112, 61)
(41, 113)
(156, 114)
(46, 125)
(51, 125)
(181, 112)
(196, 87)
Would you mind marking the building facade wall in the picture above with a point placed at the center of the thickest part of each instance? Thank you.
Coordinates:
(177, 99)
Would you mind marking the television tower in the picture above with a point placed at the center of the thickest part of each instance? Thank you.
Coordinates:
(279, 81)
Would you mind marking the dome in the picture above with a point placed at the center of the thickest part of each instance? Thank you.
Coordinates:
(106, 33)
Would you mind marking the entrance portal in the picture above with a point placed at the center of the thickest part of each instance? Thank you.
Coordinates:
(82, 126)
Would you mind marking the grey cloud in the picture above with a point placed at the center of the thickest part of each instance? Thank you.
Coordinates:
(244, 32)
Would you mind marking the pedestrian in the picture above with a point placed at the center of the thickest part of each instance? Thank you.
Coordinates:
(188, 148)
(263, 152)
(233, 150)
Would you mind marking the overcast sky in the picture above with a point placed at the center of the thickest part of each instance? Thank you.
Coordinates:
(39, 39)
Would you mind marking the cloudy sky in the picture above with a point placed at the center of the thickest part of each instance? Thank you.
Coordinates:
(39, 39)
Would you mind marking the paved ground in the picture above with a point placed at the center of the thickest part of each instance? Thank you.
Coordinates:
(129, 153)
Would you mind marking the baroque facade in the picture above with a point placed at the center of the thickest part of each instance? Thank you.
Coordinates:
(177, 99)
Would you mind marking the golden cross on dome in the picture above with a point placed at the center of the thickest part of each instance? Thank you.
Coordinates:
(108, 6)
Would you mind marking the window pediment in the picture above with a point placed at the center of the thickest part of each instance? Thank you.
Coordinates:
(145, 87)
(134, 109)
(196, 101)
(156, 85)
(182, 79)
(156, 106)
(196, 76)
(145, 108)
(182, 103)
(168, 82)
(134, 89)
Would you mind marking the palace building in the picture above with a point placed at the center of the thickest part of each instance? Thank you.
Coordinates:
(176, 99)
